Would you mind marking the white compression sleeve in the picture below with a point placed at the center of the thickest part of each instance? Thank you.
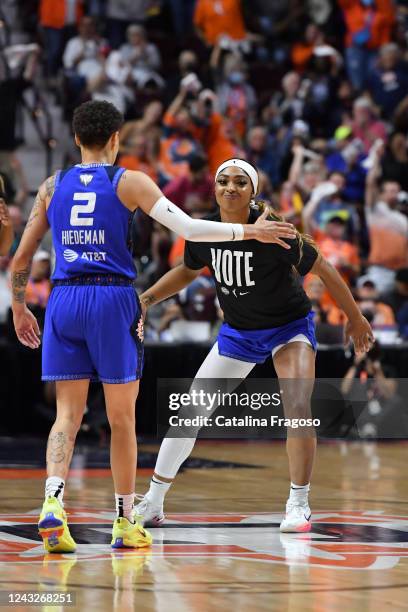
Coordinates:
(196, 230)
(174, 451)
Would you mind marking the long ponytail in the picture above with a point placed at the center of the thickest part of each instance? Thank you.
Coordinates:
(275, 216)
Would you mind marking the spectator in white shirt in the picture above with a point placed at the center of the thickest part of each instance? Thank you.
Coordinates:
(142, 56)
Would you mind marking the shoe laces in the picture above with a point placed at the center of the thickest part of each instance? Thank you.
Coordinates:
(143, 501)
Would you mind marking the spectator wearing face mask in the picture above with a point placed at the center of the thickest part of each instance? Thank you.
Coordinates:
(237, 98)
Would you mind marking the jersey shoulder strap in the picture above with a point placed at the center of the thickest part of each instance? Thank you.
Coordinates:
(114, 173)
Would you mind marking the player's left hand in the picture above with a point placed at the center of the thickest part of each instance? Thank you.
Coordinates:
(4, 213)
(360, 332)
(26, 327)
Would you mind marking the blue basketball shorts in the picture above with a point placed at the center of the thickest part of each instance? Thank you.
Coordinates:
(256, 345)
(93, 331)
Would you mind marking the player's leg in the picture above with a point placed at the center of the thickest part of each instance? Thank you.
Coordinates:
(295, 366)
(120, 402)
(71, 401)
(174, 451)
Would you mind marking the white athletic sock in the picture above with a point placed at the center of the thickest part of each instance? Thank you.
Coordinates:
(157, 491)
(54, 487)
(124, 505)
(299, 494)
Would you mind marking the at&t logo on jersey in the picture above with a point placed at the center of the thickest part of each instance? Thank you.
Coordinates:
(93, 256)
(70, 255)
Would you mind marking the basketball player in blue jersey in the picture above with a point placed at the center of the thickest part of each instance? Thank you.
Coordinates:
(93, 327)
(266, 312)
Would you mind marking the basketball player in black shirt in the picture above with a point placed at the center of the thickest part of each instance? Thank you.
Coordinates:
(266, 312)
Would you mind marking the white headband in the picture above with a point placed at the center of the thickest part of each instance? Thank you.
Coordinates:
(240, 163)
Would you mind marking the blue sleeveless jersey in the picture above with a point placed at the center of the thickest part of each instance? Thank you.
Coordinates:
(90, 225)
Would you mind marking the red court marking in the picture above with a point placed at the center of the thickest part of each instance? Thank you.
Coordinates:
(28, 474)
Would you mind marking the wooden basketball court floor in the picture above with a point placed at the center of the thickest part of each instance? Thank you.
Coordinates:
(220, 548)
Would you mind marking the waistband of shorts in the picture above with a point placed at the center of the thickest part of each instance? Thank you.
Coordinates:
(96, 279)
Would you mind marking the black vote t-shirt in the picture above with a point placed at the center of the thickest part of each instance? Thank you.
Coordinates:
(256, 285)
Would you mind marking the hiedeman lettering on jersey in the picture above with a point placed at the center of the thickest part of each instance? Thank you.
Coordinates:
(83, 237)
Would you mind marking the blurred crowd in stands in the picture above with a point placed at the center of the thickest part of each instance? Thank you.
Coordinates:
(314, 92)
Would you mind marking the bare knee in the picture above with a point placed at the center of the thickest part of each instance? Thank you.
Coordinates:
(69, 419)
(297, 408)
(121, 421)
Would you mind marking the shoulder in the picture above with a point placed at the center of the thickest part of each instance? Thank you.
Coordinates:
(47, 188)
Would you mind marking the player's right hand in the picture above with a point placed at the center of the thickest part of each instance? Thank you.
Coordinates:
(26, 327)
(274, 231)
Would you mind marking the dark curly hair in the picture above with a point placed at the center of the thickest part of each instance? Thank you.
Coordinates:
(95, 121)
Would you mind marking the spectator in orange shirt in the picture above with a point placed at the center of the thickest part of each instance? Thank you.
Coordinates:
(341, 253)
(224, 145)
(58, 20)
(302, 51)
(140, 157)
(369, 24)
(220, 21)
(321, 301)
(368, 299)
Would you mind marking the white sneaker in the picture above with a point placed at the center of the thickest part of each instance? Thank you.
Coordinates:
(297, 519)
(149, 515)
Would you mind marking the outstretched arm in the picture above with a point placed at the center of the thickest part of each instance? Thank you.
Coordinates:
(25, 323)
(357, 327)
(136, 189)
(171, 283)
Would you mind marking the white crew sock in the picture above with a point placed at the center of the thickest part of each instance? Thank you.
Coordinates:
(157, 491)
(299, 494)
(124, 505)
(54, 487)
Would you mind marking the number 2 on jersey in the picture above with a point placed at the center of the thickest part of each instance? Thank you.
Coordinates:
(82, 209)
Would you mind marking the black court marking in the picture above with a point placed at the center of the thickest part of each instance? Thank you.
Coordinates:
(92, 533)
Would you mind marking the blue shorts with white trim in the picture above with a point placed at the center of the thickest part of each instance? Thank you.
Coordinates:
(256, 345)
(94, 332)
